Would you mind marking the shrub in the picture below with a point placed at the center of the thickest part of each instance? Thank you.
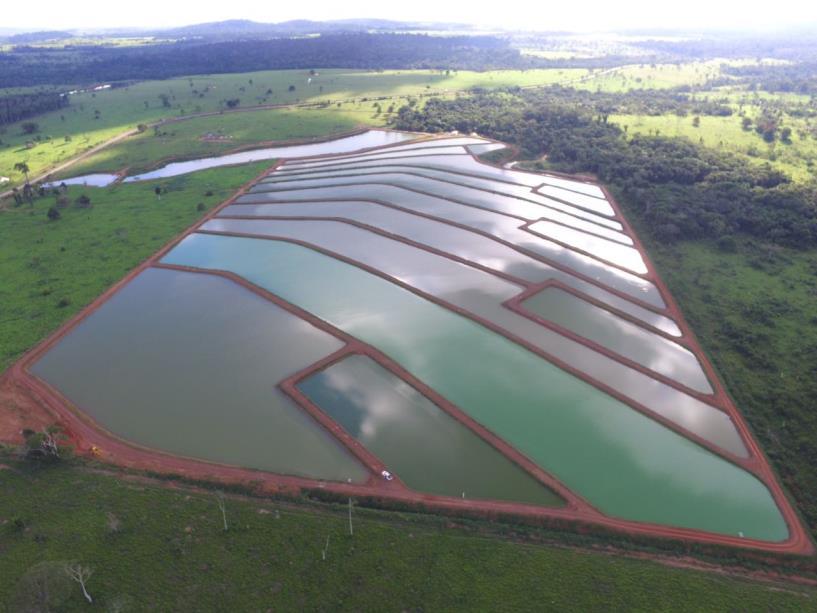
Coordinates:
(53, 214)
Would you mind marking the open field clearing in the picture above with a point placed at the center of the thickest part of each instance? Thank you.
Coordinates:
(796, 157)
(658, 76)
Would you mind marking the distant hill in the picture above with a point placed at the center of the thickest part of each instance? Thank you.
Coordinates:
(299, 27)
(37, 37)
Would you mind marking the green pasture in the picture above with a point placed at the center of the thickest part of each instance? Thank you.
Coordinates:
(95, 117)
(158, 549)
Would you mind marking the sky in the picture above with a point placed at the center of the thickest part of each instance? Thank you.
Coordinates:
(584, 15)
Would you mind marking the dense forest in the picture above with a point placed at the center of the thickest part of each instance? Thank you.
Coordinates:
(680, 101)
(76, 64)
(794, 44)
(798, 77)
(22, 106)
(681, 189)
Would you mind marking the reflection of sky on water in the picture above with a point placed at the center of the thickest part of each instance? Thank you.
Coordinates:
(623, 462)
(451, 239)
(490, 222)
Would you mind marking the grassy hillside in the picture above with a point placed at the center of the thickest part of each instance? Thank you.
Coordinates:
(170, 552)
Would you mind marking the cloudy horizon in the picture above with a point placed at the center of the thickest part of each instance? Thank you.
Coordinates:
(589, 16)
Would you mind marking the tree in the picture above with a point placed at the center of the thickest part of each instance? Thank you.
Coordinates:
(23, 168)
(165, 100)
(79, 573)
(746, 123)
(83, 202)
(291, 88)
(42, 445)
(53, 214)
(785, 134)
(30, 127)
(158, 191)
(222, 506)
(696, 122)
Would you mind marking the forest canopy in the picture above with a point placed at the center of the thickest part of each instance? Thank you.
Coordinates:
(681, 189)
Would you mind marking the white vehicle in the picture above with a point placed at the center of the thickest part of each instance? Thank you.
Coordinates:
(387, 475)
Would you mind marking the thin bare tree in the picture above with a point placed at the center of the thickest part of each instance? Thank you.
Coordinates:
(80, 574)
(222, 506)
(351, 529)
(325, 548)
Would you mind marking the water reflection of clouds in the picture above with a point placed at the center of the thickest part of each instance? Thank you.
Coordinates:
(450, 239)
(469, 292)
(501, 226)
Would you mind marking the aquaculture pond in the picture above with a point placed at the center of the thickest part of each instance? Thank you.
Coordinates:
(619, 335)
(489, 222)
(393, 421)
(621, 461)
(484, 333)
(483, 294)
(188, 363)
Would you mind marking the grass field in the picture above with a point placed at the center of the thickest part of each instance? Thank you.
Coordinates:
(51, 269)
(66, 133)
(652, 76)
(796, 158)
(170, 552)
(659, 76)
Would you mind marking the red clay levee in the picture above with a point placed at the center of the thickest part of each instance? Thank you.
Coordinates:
(564, 193)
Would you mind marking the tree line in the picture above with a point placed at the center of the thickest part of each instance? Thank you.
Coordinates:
(33, 65)
(22, 106)
(682, 190)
